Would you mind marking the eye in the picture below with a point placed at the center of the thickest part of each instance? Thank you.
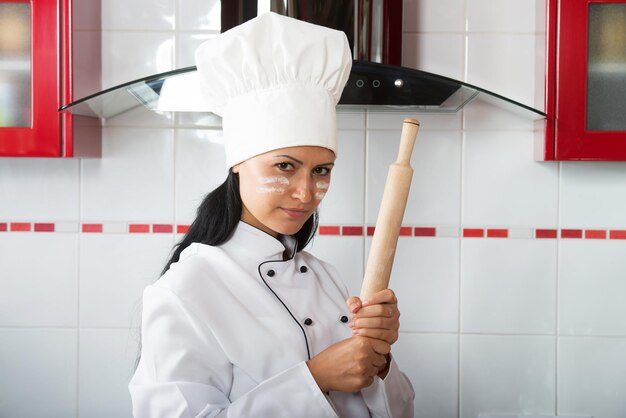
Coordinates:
(284, 166)
(321, 171)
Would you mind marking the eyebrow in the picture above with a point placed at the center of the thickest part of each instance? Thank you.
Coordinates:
(300, 162)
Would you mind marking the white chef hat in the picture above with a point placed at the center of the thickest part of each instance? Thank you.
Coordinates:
(276, 82)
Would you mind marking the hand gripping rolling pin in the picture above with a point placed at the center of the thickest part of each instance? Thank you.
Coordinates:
(390, 213)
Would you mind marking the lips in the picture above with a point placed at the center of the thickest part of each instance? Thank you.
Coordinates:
(295, 213)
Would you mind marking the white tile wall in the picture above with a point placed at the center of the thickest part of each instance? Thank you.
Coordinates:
(439, 53)
(132, 55)
(503, 63)
(502, 183)
(431, 363)
(434, 16)
(507, 374)
(592, 377)
(425, 278)
(435, 188)
(593, 194)
(592, 288)
(39, 368)
(345, 254)
(343, 204)
(195, 177)
(109, 383)
(478, 315)
(141, 117)
(505, 293)
(39, 280)
(199, 15)
(504, 16)
(27, 195)
(484, 115)
(114, 269)
(153, 15)
(136, 172)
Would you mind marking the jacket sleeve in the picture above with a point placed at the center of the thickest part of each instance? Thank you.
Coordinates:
(183, 372)
(391, 397)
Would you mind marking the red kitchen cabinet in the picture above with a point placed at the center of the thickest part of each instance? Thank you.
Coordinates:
(43, 44)
(586, 80)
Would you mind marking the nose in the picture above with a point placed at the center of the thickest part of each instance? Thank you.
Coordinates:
(303, 189)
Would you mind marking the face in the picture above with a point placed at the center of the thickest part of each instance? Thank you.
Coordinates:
(281, 189)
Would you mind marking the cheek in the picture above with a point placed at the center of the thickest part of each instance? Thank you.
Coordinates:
(269, 190)
(271, 185)
(321, 187)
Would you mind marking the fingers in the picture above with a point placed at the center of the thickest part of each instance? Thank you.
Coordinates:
(382, 310)
(384, 296)
(388, 336)
(354, 304)
(378, 321)
(381, 347)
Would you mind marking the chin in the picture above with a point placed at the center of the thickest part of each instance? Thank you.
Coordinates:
(290, 229)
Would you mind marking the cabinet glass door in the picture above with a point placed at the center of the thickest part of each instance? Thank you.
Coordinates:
(606, 67)
(15, 64)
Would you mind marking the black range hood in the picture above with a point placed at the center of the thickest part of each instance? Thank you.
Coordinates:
(371, 86)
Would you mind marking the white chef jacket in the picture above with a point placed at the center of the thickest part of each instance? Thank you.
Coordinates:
(225, 334)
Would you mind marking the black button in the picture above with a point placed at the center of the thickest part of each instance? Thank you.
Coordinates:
(344, 319)
(308, 321)
(303, 269)
(271, 273)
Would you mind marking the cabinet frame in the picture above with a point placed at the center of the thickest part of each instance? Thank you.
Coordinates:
(566, 135)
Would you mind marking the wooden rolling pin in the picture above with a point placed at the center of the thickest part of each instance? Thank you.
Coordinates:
(390, 214)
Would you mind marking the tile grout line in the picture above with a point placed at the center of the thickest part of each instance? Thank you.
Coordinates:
(78, 275)
(557, 289)
(460, 260)
(365, 189)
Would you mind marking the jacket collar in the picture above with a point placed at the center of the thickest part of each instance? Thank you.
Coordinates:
(254, 244)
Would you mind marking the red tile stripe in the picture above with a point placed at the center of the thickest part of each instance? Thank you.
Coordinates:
(595, 234)
(406, 231)
(473, 232)
(20, 226)
(97, 228)
(352, 230)
(44, 227)
(545, 233)
(162, 228)
(329, 230)
(571, 233)
(424, 232)
(139, 228)
(335, 230)
(497, 233)
(617, 234)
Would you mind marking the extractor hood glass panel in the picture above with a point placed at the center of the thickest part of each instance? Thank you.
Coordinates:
(371, 86)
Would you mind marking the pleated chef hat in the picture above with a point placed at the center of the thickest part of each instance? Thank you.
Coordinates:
(276, 82)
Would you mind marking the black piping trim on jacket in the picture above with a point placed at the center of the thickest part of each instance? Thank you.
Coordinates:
(306, 340)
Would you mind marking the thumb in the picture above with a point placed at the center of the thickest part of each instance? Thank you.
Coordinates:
(354, 304)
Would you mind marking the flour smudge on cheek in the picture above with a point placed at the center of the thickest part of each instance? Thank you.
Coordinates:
(322, 187)
(274, 184)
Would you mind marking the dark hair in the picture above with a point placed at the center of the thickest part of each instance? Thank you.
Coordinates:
(219, 214)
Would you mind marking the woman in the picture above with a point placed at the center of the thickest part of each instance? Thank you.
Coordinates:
(243, 322)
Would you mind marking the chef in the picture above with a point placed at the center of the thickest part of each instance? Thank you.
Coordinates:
(244, 322)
